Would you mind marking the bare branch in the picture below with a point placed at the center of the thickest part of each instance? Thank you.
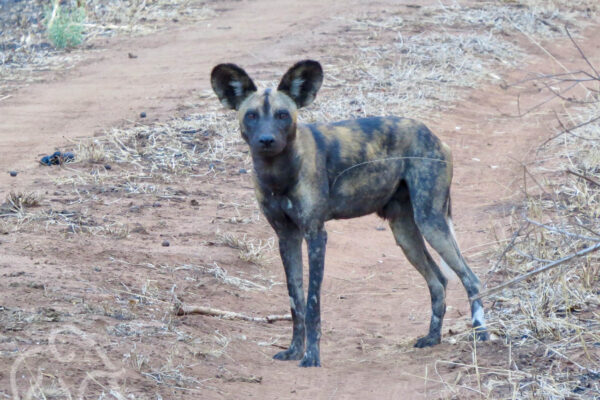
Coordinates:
(562, 232)
(546, 267)
(587, 178)
(582, 53)
(182, 309)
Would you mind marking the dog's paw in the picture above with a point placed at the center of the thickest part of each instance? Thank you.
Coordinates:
(290, 354)
(427, 341)
(481, 334)
(310, 359)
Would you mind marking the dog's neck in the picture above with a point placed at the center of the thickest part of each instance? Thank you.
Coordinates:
(276, 175)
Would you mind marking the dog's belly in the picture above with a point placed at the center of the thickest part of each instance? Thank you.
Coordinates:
(362, 192)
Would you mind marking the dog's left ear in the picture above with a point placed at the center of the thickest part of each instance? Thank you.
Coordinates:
(231, 84)
(302, 82)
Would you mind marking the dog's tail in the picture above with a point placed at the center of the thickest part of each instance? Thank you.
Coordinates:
(446, 270)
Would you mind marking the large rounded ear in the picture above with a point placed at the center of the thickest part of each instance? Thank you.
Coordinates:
(231, 84)
(302, 82)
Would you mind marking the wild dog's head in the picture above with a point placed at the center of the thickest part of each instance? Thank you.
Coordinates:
(267, 118)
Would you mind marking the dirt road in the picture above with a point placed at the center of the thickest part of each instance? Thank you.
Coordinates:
(374, 303)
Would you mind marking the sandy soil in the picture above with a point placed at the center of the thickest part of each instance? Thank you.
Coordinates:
(92, 312)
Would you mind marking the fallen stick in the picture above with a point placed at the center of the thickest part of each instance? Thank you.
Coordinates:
(546, 267)
(587, 178)
(182, 309)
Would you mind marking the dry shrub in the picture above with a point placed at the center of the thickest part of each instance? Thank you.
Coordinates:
(253, 251)
(550, 322)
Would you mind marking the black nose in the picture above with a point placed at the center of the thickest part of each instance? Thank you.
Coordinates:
(266, 140)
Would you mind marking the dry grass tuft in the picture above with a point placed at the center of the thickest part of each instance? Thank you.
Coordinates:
(91, 151)
(17, 202)
(253, 251)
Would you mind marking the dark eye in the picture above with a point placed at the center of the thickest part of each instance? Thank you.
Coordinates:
(282, 115)
(251, 115)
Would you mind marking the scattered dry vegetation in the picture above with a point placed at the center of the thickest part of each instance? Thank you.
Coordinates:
(550, 322)
(26, 47)
(398, 65)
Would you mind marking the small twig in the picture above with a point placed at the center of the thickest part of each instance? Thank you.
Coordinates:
(530, 257)
(587, 178)
(182, 309)
(582, 53)
(556, 77)
(563, 232)
(546, 267)
(525, 173)
(570, 130)
(509, 246)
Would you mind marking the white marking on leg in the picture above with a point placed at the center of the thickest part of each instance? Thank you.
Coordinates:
(478, 317)
(292, 303)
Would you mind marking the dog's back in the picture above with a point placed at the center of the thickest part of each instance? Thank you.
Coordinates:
(364, 160)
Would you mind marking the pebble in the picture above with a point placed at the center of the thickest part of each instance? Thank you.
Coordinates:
(243, 171)
(143, 114)
(107, 166)
(13, 173)
(166, 243)
(194, 202)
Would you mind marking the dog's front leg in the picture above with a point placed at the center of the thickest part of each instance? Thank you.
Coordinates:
(290, 248)
(316, 240)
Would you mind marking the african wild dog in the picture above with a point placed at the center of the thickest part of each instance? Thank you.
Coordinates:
(308, 174)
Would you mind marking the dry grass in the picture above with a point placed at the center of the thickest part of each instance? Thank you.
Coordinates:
(194, 146)
(222, 276)
(391, 63)
(253, 251)
(549, 323)
(545, 19)
(25, 50)
(17, 202)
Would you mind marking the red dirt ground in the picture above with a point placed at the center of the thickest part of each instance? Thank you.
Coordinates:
(93, 288)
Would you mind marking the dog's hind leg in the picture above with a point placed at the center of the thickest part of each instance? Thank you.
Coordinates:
(290, 248)
(407, 235)
(431, 216)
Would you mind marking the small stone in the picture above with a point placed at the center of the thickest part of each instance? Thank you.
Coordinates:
(143, 114)
(107, 166)
(97, 269)
(194, 202)
(211, 166)
(13, 173)
(165, 243)
(156, 204)
(243, 171)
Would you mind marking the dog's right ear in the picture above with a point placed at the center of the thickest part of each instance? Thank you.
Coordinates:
(231, 84)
